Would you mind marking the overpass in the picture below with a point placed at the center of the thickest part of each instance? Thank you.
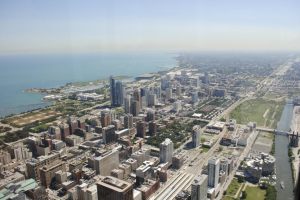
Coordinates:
(275, 131)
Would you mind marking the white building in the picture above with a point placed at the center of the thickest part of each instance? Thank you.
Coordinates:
(199, 188)
(166, 151)
(196, 136)
(87, 193)
(105, 163)
(213, 172)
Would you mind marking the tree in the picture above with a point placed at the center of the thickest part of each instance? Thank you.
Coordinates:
(244, 195)
(271, 193)
(223, 119)
(241, 179)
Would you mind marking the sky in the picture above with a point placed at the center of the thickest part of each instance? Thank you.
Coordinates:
(29, 26)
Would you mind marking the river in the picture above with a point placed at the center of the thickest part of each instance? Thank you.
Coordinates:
(283, 169)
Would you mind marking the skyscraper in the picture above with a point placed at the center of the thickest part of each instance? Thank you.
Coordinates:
(150, 115)
(141, 129)
(127, 104)
(196, 136)
(128, 121)
(152, 128)
(137, 97)
(152, 100)
(213, 172)
(105, 118)
(166, 151)
(195, 97)
(169, 93)
(135, 108)
(108, 134)
(199, 188)
(116, 92)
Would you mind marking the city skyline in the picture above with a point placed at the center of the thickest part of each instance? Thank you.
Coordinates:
(77, 26)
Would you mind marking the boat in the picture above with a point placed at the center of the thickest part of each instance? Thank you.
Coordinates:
(282, 185)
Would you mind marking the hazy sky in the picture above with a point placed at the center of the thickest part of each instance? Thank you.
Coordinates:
(131, 25)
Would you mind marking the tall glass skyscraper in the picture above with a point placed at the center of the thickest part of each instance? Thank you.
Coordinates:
(116, 92)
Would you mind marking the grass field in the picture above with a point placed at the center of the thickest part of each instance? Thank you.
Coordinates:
(29, 118)
(255, 193)
(263, 112)
(233, 187)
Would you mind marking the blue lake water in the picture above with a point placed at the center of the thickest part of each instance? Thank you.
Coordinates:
(20, 72)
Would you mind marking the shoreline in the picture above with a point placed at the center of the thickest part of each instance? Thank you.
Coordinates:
(61, 90)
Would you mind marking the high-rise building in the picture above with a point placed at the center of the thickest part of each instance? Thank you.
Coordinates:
(150, 115)
(169, 93)
(166, 151)
(108, 134)
(135, 108)
(178, 91)
(194, 82)
(152, 100)
(21, 153)
(127, 104)
(33, 165)
(105, 118)
(213, 172)
(111, 188)
(47, 173)
(157, 91)
(152, 128)
(199, 188)
(5, 157)
(196, 136)
(128, 121)
(64, 130)
(137, 97)
(165, 83)
(141, 129)
(87, 193)
(195, 97)
(55, 131)
(73, 124)
(116, 92)
(106, 162)
(144, 91)
(206, 78)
